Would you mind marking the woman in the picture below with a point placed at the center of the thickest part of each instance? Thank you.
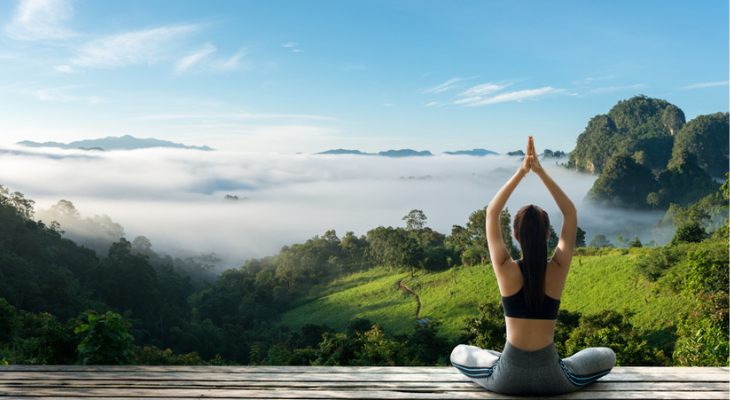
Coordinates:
(531, 290)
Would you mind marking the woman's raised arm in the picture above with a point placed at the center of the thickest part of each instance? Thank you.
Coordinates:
(564, 252)
(497, 249)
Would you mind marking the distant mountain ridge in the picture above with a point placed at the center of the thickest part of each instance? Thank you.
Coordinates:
(125, 142)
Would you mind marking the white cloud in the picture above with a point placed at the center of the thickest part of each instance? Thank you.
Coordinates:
(431, 104)
(706, 85)
(231, 64)
(40, 19)
(290, 44)
(200, 61)
(64, 68)
(388, 105)
(483, 90)
(132, 48)
(187, 62)
(519, 95)
(171, 196)
(444, 86)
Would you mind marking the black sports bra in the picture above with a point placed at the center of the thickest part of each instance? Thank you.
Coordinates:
(515, 306)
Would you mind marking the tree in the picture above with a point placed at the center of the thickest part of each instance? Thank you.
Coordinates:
(415, 220)
(623, 183)
(488, 331)
(652, 199)
(395, 248)
(614, 330)
(477, 229)
(8, 321)
(636, 243)
(599, 241)
(552, 241)
(706, 137)
(689, 232)
(505, 224)
(104, 339)
(580, 238)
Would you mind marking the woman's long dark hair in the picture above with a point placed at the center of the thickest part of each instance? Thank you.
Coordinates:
(532, 227)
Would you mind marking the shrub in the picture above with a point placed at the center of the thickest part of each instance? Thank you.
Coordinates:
(104, 339)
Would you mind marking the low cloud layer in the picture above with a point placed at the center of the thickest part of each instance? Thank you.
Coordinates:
(176, 197)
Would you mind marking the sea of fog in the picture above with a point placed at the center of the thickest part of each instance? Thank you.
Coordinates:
(176, 197)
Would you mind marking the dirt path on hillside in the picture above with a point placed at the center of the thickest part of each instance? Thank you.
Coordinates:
(408, 290)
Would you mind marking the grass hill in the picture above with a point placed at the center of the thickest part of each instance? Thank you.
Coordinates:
(595, 283)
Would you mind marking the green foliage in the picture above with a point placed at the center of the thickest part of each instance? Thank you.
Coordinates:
(599, 241)
(477, 229)
(689, 232)
(104, 339)
(703, 332)
(489, 330)
(636, 243)
(706, 137)
(685, 181)
(376, 349)
(8, 321)
(505, 224)
(552, 241)
(614, 330)
(155, 356)
(580, 238)
(640, 125)
(643, 137)
(395, 248)
(42, 340)
(622, 183)
(660, 260)
(415, 220)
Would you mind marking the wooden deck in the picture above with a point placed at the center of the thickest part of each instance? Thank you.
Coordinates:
(124, 382)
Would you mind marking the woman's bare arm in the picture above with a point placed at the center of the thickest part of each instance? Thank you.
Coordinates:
(564, 252)
(497, 249)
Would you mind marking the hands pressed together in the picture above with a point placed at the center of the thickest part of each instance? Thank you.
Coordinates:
(531, 161)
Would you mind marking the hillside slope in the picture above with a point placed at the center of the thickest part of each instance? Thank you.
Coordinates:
(597, 283)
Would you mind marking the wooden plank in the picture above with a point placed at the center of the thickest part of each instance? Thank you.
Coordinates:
(327, 394)
(278, 378)
(319, 369)
(331, 382)
(463, 385)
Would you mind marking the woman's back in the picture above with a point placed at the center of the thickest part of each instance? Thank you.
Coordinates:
(532, 333)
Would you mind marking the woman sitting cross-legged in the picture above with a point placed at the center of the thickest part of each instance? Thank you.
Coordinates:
(531, 289)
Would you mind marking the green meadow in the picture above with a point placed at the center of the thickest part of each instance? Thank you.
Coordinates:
(595, 283)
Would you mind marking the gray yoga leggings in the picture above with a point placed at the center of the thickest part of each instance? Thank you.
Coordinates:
(540, 372)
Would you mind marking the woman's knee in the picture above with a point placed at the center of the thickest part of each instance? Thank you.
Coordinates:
(591, 359)
(472, 356)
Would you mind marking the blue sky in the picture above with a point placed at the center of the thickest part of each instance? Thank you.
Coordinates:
(307, 76)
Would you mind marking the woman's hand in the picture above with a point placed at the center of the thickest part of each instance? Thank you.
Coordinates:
(534, 161)
(527, 162)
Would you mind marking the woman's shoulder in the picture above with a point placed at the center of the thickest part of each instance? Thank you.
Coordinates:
(509, 277)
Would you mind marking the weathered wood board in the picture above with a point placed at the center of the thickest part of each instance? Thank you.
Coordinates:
(259, 382)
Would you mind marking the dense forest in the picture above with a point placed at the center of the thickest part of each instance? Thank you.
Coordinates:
(115, 301)
(647, 156)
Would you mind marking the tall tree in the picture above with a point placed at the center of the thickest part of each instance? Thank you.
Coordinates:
(415, 220)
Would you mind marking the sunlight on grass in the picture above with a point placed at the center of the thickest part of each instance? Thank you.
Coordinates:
(450, 297)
